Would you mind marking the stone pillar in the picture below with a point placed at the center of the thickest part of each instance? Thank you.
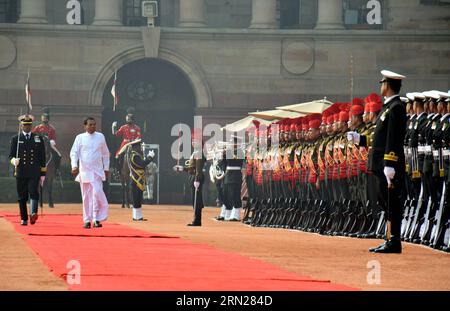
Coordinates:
(191, 13)
(264, 14)
(330, 15)
(107, 13)
(33, 12)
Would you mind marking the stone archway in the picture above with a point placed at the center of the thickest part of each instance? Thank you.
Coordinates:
(195, 75)
(158, 118)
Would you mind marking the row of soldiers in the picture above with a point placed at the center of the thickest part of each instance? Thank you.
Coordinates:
(315, 179)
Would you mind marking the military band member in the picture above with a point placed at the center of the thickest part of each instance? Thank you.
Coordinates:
(138, 182)
(27, 154)
(387, 159)
(47, 130)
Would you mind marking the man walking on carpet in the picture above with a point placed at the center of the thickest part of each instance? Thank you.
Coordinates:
(90, 165)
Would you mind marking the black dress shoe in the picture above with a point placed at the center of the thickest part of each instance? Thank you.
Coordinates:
(97, 224)
(234, 219)
(139, 219)
(193, 224)
(220, 218)
(391, 247)
(23, 223)
(33, 218)
(373, 249)
(87, 225)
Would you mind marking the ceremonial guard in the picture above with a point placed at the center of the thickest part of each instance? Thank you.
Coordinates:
(128, 132)
(194, 167)
(27, 154)
(48, 131)
(387, 159)
(233, 164)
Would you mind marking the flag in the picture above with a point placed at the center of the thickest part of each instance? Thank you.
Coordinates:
(114, 92)
(28, 92)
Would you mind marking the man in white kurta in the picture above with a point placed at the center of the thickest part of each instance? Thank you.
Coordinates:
(90, 164)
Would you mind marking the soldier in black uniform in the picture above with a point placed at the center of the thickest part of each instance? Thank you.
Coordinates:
(233, 163)
(28, 159)
(387, 158)
(137, 170)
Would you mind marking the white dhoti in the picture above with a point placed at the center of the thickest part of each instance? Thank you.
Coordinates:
(95, 204)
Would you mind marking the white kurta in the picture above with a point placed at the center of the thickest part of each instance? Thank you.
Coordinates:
(91, 155)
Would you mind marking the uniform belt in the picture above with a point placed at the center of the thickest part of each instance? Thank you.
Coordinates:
(234, 168)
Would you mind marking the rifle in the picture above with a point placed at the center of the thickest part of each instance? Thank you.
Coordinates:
(425, 221)
(435, 231)
(406, 213)
(412, 227)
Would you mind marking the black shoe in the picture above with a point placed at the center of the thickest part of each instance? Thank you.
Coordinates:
(193, 224)
(390, 247)
(234, 219)
(373, 249)
(33, 218)
(139, 219)
(23, 223)
(97, 224)
(87, 225)
(220, 218)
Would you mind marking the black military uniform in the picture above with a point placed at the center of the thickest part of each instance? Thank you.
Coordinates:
(387, 152)
(31, 166)
(232, 188)
(137, 170)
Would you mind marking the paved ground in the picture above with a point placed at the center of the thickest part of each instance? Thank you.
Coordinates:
(341, 260)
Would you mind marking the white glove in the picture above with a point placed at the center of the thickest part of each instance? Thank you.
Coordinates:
(196, 184)
(113, 127)
(52, 143)
(15, 161)
(389, 172)
(354, 137)
(41, 181)
(151, 154)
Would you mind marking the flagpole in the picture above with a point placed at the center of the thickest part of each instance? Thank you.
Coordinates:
(27, 93)
(114, 91)
(179, 144)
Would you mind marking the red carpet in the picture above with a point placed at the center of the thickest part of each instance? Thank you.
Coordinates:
(118, 257)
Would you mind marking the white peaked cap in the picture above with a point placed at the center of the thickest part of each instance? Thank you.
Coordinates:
(392, 75)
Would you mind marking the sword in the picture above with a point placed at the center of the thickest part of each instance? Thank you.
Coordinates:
(41, 201)
(195, 199)
(388, 222)
(60, 181)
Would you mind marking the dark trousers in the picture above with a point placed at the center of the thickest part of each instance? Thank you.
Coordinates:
(137, 195)
(392, 201)
(220, 194)
(233, 196)
(197, 204)
(27, 187)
